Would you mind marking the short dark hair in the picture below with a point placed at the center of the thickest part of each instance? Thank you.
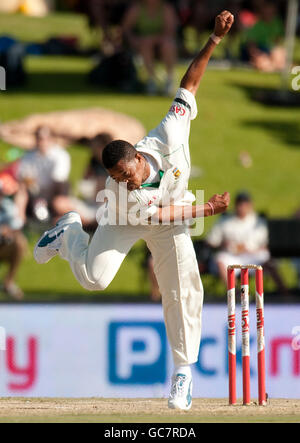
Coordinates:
(116, 151)
(243, 197)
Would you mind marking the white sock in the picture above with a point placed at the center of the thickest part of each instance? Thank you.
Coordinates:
(183, 369)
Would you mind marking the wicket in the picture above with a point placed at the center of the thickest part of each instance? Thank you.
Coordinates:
(246, 333)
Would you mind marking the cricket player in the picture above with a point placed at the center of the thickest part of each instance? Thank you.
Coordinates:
(154, 175)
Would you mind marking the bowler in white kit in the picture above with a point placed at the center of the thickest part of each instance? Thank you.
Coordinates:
(153, 176)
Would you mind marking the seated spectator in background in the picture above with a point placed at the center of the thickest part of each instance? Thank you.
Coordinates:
(150, 27)
(106, 15)
(261, 45)
(204, 13)
(43, 174)
(242, 238)
(96, 172)
(94, 181)
(12, 55)
(13, 244)
(184, 12)
(203, 16)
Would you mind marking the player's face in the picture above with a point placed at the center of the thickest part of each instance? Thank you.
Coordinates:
(130, 173)
(43, 143)
(243, 209)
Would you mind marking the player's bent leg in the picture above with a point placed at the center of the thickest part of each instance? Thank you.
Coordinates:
(68, 240)
(71, 242)
(74, 249)
(94, 263)
(108, 249)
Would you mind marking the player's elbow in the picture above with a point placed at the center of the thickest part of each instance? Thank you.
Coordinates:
(190, 86)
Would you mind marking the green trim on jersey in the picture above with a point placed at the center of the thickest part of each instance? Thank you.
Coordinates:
(154, 185)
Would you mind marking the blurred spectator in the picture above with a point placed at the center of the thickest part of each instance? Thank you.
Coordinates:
(150, 28)
(204, 13)
(184, 12)
(106, 15)
(94, 181)
(36, 8)
(12, 55)
(243, 239)
(261, 45)
(96, 172)
(43, 174)
(13, 244)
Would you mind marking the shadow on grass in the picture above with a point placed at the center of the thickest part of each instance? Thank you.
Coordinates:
(269, 97)
(286, 131)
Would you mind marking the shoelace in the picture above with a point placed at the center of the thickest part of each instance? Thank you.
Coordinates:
(177, 386)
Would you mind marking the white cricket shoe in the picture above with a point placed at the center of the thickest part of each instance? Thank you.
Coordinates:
(181, 392)
(48, 245)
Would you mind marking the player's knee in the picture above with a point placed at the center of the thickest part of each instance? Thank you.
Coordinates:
(96, 286)
(93, 280)
(100, 284)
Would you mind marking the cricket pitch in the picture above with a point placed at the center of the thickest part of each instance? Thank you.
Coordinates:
(99, 410)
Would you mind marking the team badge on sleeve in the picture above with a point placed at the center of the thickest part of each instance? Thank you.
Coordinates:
(176, 173)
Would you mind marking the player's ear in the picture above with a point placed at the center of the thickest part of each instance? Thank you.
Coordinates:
(139, 157)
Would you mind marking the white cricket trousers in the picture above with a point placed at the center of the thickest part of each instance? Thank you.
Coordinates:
(95, 264)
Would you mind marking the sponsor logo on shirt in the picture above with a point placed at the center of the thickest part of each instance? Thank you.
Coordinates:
(178, 110)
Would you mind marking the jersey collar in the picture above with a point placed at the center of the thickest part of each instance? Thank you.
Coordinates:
(154, 185)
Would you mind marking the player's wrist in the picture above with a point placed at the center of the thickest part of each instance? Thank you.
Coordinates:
(210, 208)
(216, 38)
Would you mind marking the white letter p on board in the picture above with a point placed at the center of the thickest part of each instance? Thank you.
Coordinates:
(128, 357)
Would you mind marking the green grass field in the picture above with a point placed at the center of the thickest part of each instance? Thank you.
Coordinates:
(229, 122)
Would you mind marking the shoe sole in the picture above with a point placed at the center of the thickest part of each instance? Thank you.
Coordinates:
(72, 217)
(172, 406)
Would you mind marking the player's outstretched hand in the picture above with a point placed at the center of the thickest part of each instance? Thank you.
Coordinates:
(220, 202)
(223, 24)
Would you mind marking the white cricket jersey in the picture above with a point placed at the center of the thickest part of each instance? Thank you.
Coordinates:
(168, 146)
(154, 175)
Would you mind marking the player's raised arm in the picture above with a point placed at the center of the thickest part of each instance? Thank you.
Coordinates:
(194, 74)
